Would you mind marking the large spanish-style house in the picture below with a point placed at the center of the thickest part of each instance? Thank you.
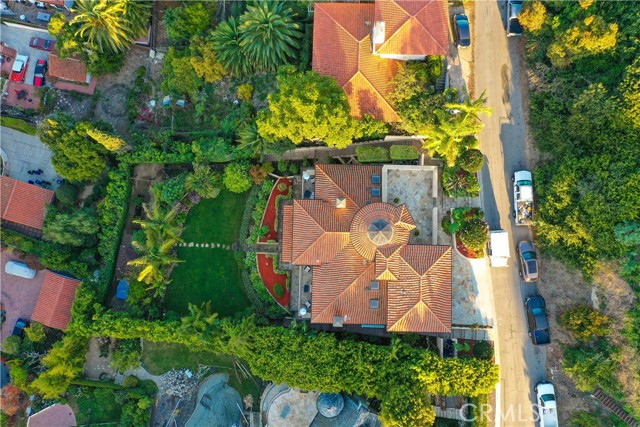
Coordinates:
(365, 271)
(361, 45)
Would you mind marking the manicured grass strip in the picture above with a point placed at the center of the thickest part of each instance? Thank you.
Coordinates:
(18, 124)
(207, 275)
(216, 220)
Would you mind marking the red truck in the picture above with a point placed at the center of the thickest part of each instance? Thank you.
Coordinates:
(19, 68)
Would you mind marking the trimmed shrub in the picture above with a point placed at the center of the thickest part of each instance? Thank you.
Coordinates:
(585, 322)
(278, 289)
(446, 225)
(67, 194)
(404, 152)
(471, 160)
(369, 154)
(245, 92)
(236, 177)
(130, 381)
(473, 235)
(483, 350)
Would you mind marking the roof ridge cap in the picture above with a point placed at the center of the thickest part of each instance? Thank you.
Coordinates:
(315, 242)
(374, 88)
(13, 189)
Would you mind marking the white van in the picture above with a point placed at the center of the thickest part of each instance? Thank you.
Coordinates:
(499, 248)
(20, 269)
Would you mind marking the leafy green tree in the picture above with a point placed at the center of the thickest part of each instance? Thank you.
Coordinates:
(226, 44)
(471, 160)
(56, 23)
(308, 106)
(269, 35)
(127, 355)
(203, 59)
(11, 344)
(67, 194)
(585, 322)
(76, 228)
(592, 366)
(102, 24)
(179, 75)
(75, 156)
(407, 406)
(630, 94)
(188, 20)
(411, 79)
(203, 181)
(628, 233)
(35, 332)
(63, 364)
(199, 320)
(533, 16)
(590, 36)
(110, 142)
(236, 177)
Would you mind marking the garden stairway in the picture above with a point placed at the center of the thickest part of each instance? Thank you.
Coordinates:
(613, 406)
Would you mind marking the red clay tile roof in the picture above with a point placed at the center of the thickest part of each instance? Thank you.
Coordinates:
(53, 308)
(350, 248)
(69, 69)
(342, 49)
(413, 27)
(54, 416)
(23, 203)
(5, 50)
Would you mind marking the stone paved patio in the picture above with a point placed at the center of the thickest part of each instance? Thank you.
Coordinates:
(414, 188)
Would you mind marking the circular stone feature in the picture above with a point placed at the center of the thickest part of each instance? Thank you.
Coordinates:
(380, 232)
(330, 404)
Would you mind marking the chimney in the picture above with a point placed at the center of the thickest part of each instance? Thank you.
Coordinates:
(341, 203)
(377, 35)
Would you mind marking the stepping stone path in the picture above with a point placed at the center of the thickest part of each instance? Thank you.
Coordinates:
(205, 245)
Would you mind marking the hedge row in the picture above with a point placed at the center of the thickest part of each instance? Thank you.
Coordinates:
(371, 154)
(404, 152)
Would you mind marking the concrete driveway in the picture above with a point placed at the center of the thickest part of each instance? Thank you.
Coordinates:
(19, 295)
(24, 153)
(505, 141)
(18, 39)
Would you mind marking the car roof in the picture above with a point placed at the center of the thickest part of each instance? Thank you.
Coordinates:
(536, 301)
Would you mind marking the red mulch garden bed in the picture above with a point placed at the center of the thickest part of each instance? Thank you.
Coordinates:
(466, 252)
(270, 278)
(271, 212)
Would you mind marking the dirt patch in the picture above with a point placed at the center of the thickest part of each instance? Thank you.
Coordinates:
(562, 289)
(96, 366)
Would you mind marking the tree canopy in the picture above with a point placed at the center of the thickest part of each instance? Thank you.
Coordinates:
(308, 107)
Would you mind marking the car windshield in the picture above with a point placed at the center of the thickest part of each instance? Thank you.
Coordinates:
(547, 398)
(524, 182)
(532, 266)
(529, 255)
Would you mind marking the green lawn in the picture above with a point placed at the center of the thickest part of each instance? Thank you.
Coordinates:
(17, 124)
(210, 274)
(158, 358)
(97, 407)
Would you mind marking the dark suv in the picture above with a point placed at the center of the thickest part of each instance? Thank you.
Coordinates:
(19, 328)
(537, 320)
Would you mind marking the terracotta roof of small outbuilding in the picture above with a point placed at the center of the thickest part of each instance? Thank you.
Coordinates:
(53, 308)
(54, 416)
(23, 203)
(70, 69)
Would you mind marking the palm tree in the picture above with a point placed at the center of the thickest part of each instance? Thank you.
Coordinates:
(226, 44)
(449, 138)
(203, 181)
(102, 24)
(469, 110)
(154, 265)
(160, 226)
(137, 14)
(235, 338)
(200, 319)
(250, 140)
(269, 36)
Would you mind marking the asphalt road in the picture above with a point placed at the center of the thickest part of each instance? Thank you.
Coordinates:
(498, 69)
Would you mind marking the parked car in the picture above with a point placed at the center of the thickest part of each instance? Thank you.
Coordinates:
(498, 248)
(514, 28)
(38, 75)
(19, 328)
(522, 197)
(42, 44)
(537, 320)
(20, 269)
(528, 261)
(461, 31)
(19, 68)
(547, 407)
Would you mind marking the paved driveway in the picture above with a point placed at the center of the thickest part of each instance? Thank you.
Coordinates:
(25, 153)
(504, 141)
(18, 39)
(19, 295)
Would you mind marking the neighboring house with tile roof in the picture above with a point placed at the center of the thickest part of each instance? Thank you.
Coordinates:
(53, 308)
(360, 44)
(365, 272)
(54, 416)
(23, 206)
(68, 69)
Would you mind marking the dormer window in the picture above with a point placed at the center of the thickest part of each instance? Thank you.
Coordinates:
(375, 192)
(375, 285)
(376, 179)
(374, 304)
